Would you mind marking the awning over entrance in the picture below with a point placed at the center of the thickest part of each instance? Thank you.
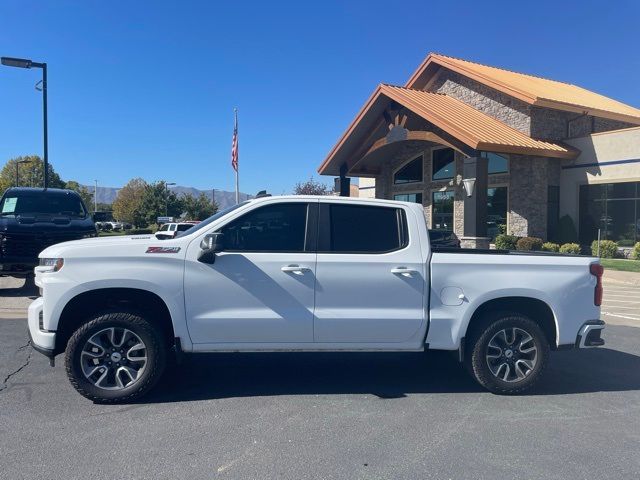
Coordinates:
(454, 122)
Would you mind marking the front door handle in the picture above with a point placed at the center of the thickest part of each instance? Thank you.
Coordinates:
(297, 269)
(404, 271)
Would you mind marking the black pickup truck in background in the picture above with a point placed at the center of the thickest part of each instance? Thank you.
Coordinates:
(31, 219)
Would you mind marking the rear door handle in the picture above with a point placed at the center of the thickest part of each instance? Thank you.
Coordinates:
(407, 272)
(297, 269)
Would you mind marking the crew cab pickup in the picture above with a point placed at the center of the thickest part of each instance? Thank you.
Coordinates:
(306, 273)
(31, 219)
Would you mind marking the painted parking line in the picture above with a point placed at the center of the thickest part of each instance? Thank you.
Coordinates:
(618, 307)
(625, 302)
(626, 317)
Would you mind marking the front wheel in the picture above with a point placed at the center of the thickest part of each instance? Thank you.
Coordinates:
(115, 357)
(508, 354)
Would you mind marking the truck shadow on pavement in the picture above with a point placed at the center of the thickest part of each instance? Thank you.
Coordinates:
(385, 375)
(29, 289)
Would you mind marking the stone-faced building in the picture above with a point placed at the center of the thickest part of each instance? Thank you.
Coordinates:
(511, 136)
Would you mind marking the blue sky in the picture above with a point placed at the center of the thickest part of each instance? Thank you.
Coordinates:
(147, 88)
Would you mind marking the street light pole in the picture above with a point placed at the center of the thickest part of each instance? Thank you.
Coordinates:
(46, 127)
(17, 166)
(95, 198)
(26, 63)
(166, 204)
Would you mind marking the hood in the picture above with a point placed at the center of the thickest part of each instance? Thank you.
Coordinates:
(126, 245)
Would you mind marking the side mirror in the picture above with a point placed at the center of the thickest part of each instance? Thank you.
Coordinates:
(210, 245)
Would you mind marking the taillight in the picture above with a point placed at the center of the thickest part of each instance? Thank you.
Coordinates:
(597, 270)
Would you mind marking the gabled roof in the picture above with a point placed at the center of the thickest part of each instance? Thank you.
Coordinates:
(469, 126)
(528, 88)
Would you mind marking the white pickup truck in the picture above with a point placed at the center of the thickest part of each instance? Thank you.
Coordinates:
(306, 273)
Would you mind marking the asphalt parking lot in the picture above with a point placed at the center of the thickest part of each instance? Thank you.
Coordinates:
(299, 415)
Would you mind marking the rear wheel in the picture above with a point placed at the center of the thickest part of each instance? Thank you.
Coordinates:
(115, 357)
(508, 354)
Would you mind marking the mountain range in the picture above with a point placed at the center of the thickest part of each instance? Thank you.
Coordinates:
(223, 198)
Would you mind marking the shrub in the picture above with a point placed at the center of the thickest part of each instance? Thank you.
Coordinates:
(635, 252)
(567, 232)
(572, 248)
(506, 242)
(550, 247)
(529, 244)
(608, 248)
(139, 231)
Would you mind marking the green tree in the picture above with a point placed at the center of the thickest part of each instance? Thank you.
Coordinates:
(311, 187)
(30, 174)
(85, 194)
(198, 208)
(127, 207)
(158, 201)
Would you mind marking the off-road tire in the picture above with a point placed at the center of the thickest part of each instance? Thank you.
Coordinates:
(156, 352)
(477, 362)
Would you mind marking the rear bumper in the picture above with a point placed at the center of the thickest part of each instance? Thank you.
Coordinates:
(42, 340)
(589, 335)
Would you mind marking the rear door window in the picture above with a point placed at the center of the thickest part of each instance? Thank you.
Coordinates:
(361, 229)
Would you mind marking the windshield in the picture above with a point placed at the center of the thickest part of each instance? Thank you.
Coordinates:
(47, 203)
(212, 218)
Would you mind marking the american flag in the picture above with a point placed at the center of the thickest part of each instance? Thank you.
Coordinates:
(234, 145)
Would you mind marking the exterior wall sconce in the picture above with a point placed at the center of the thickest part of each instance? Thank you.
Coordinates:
(468, 184)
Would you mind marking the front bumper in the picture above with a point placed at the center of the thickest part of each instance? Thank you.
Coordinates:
(17, 266)
(589, 335)
(42, 340)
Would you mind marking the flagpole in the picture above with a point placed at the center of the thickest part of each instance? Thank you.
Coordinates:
(235, 111)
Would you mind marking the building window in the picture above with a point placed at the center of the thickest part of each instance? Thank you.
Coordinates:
(496, 163)
(409, 197)
(443, 163)
(496, 211)
(614, 208)
(410, 173)
(553, 211)
(442, 210)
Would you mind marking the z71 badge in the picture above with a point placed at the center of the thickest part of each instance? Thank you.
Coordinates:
(163, 250)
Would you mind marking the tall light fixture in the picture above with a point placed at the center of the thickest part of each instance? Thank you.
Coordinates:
(25, 63)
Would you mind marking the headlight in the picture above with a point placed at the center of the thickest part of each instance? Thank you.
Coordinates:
(56, 263)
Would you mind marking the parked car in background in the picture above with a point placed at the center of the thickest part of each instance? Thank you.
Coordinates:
(443, 239)
(171, 230)
(307, 273)
(32, 219)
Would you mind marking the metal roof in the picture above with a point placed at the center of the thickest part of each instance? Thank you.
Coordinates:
(474, 128)
(528, 88)
(469, 126)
